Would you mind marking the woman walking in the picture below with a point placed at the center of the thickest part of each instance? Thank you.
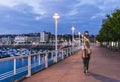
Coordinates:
(86, 52)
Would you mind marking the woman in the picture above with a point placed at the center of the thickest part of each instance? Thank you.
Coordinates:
(86, 52)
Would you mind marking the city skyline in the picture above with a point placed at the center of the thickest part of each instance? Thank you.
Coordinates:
(28, 16)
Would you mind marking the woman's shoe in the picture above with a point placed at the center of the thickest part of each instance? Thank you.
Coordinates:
(85, 71)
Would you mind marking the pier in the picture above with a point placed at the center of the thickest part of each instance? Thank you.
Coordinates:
(104, 67)
(17, 67)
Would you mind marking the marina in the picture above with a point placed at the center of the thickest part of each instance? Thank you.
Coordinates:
(22, 50)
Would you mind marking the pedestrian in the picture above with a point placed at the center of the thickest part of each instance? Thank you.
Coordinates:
(86, 53)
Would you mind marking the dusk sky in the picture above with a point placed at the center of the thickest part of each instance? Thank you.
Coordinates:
(33, 16)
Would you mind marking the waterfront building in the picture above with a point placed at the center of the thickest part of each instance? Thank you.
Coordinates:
(6, 40)
(33, 39)
(44, 37)
(20, 39)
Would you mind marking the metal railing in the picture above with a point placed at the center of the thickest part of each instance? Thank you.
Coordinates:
(17, 67)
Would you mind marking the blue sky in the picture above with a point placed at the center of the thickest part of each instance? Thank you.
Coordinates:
(31, 16)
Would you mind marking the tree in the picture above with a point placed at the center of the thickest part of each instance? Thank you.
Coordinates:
(110, 30)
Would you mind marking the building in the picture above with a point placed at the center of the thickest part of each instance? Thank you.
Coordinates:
(44, 37)
(6, 40)
(21, 39)
(33, 39)
(0, 40)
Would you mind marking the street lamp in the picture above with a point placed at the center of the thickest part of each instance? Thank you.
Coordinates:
(73, 29)
(79, 38)
(56, 17)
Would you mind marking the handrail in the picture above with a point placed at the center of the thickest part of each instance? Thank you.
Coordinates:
(32, 63)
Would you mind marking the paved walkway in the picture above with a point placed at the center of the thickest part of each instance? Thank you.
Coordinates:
(104, 67)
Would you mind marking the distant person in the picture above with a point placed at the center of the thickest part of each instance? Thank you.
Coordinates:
(86, 52)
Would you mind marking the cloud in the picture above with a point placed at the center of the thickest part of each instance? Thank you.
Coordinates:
(38, 18)
(88, 2)
(8, 3)
(32, 3)
(37, 15)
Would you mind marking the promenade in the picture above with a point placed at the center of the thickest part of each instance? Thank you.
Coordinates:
(104, 67)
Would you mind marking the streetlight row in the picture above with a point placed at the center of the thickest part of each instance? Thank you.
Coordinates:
(56, 17)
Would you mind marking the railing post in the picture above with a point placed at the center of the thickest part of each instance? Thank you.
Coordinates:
(55, 57)
(73, 49)
(66, 53)
(43, 58)
(70, 51)
(29, 65)
(39, 59)
(62, 55)
(52, 56)
(46, 60)
(14, 66)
